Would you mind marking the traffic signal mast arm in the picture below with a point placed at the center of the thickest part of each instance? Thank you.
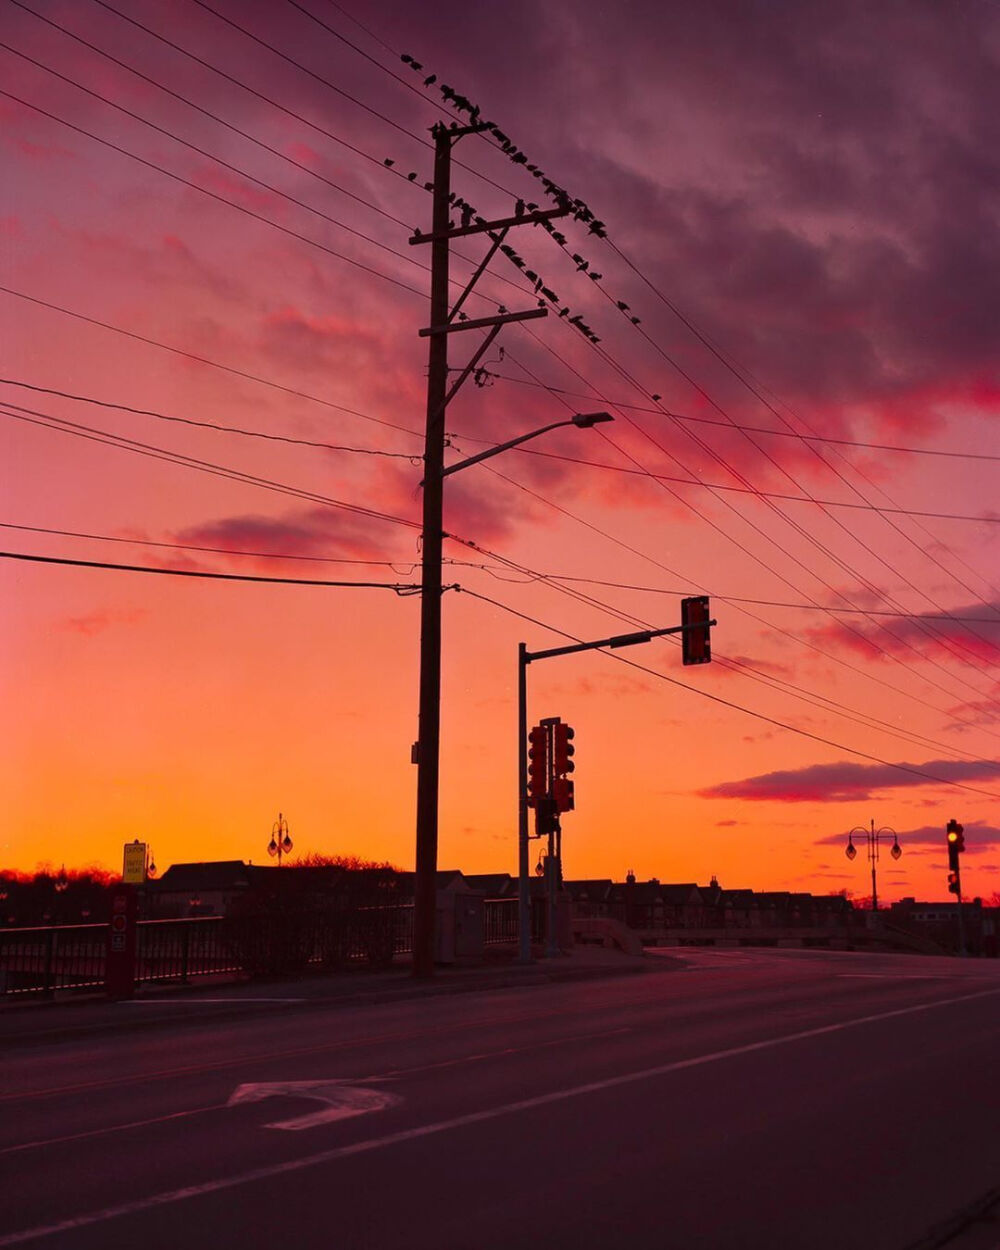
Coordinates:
(620, 640)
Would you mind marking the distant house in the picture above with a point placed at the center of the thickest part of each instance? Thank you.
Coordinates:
(939, 921)
(492, 884)
(209, 889)
(590, 896)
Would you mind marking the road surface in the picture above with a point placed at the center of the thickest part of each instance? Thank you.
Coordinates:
(737, 1098)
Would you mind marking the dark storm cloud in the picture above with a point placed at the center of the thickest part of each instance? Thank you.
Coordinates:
(821, 179)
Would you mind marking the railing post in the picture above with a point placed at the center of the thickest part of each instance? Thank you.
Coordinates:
(185, 952)
(48, 989)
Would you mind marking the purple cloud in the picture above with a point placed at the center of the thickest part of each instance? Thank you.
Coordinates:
(845, 781)
(979, 837)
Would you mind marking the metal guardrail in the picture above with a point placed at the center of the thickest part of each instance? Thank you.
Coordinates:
(40, 961)
(500, 917)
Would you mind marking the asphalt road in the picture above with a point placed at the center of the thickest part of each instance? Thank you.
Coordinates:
(777, 1099)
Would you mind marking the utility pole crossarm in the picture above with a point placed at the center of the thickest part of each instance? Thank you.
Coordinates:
(480, 322)
(483, 227)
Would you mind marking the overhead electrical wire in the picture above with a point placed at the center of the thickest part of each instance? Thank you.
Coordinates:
(399, 589)
(746, 669)
(210, 425)
(402, 455)
(970, 662)
(728, 703)
(283, 156)
(659, 411)
(864, 672)
(207, 360)
(529, 575)
(842, 610)
(220, 199)
(686, 503)
(243, 134)
(202, 549)
(92, 434)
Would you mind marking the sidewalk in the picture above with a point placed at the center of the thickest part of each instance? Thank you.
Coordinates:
(71, 1016)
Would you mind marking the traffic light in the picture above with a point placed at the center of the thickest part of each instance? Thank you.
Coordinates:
(546, 817)
(538, 764)
(563, 749)
(952, 882)
(956, 845)
(562, 792)
(696, 643)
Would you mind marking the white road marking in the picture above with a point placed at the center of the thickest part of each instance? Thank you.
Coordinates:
(170, 1002)
(343, 1099)
(894, 976)
(112, 1128)
(269, 1171)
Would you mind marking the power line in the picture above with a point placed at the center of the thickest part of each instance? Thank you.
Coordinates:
(398, 588)
(60, 424)
(208, 425)
(747, 670)
(659, 410)
(206, 360)
(226, 551)
(336, 186)
(728, 703)
(746, 520)
(221, 199)
(556, 584)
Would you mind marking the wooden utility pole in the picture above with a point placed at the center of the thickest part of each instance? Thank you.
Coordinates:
(443, 323)
(429, 733)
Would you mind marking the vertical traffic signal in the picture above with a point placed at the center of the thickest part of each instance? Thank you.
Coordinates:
(563, 749)
(538, 764)
(562, 792)
(696, 642)
(956, 843)
(546, 817)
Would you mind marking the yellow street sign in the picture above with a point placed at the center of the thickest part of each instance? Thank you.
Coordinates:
(134, 869)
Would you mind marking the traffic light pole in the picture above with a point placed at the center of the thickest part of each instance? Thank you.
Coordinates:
(524, 658)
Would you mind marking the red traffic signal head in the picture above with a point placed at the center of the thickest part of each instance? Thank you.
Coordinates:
(696, 642)
(546, 817)
(562, 792)
(952, 882)
(538, 763)
(563, 749)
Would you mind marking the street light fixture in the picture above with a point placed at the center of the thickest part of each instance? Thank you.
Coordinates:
(873, 836)
(280, 843)
(428, 749)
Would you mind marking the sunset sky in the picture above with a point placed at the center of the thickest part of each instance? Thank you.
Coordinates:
(205, 211)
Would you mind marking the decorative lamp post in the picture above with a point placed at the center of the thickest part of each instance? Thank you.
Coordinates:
(873, 837)
(280, 843)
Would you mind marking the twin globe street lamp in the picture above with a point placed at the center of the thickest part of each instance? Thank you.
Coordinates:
(873, 837)
(280, 843)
